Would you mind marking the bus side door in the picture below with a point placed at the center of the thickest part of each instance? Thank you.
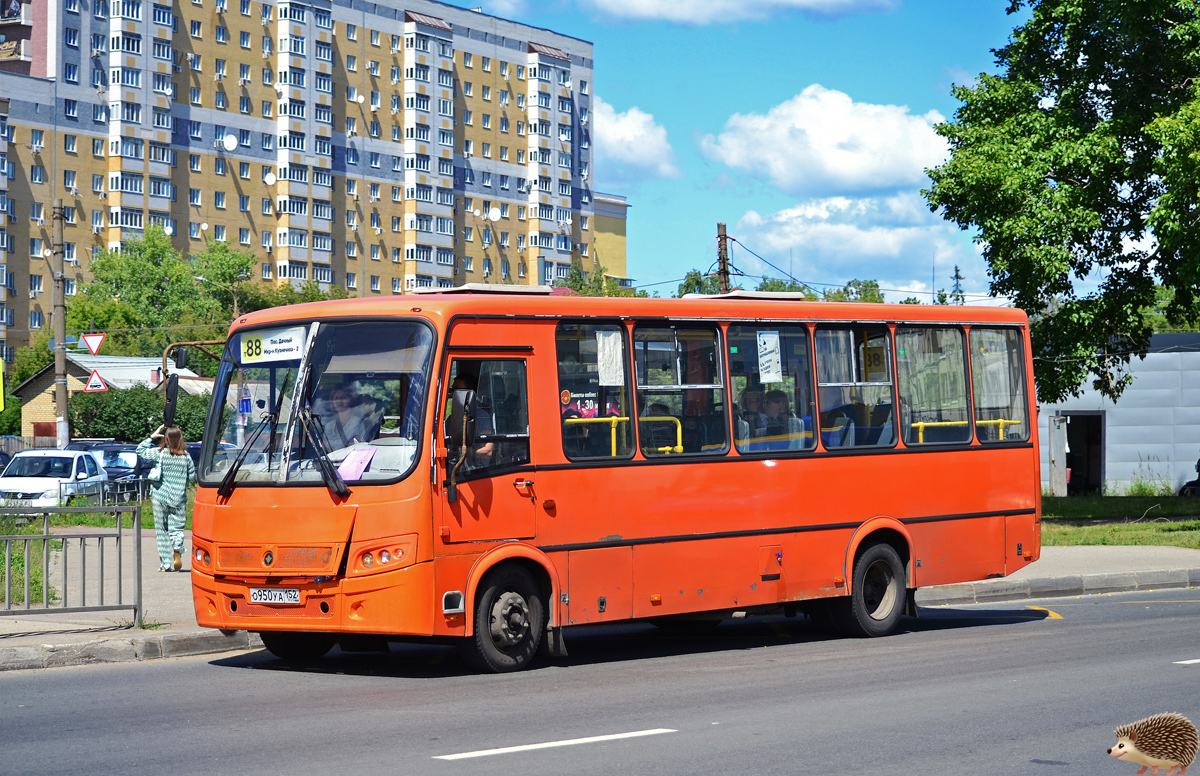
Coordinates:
(494, 488)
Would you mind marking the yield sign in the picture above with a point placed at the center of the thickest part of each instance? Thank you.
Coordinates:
(94, 382)
(93, 342)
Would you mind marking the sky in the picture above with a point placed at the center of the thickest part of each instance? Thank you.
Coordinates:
(804, 125)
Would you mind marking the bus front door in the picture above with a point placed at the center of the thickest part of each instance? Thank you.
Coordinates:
(494, 495)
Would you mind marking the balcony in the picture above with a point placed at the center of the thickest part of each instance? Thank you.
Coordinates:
(16, 50)
(21, 14)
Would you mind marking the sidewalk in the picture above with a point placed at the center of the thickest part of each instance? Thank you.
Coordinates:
(49, 640)
(42, 641)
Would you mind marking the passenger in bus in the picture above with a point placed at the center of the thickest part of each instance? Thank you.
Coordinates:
(480, 454)
(785, 429)
(752, 409)
(348, 420)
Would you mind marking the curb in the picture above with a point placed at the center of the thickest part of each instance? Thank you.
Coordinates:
(125, 650)
(1081, 584)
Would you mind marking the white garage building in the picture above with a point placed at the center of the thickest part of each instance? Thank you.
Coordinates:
(1151, 434)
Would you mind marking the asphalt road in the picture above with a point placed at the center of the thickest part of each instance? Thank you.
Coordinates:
(989, 689)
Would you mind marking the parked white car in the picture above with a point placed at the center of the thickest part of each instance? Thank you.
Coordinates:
(48, 478)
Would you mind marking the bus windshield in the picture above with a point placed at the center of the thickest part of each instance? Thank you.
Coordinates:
(363, 383)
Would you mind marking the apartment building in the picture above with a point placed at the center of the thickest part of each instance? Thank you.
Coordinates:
(376, 147)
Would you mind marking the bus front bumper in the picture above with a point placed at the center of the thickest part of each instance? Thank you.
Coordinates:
(399, 602)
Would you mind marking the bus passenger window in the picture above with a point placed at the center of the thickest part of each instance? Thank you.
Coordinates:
(998, 376)
(681, 391)
(502, 416)
(931, 373)
(593, 391)
(854, 387)
(771, 376)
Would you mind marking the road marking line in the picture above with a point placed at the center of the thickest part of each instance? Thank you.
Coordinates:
(1186, 662)
(1053, 615)
(550, 744)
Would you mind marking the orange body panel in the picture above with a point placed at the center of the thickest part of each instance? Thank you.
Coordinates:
(649, 537)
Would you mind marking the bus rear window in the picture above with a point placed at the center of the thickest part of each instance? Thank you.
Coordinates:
(998, 375)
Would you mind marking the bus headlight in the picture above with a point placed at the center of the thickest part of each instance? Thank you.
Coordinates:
(375, 555)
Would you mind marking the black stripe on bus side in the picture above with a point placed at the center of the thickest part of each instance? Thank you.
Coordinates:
(765, 531)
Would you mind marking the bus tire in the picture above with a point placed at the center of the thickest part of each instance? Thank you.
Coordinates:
(509, 620)
(298, 646)
(877, 599)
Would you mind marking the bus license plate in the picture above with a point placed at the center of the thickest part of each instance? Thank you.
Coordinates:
(275, 595)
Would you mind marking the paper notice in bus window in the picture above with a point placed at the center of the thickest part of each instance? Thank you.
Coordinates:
(770, 368)
(272, 345)
(608, 358)
(356, 463)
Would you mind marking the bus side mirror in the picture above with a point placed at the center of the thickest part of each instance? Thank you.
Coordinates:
(172, 391)
(461, 431)
(181, 358)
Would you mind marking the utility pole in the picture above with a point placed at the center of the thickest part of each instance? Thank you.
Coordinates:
(722, 259)
(57, 259)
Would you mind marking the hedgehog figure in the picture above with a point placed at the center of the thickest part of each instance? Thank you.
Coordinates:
(1167, 741)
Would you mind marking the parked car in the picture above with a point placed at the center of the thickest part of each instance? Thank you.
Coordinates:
(121, 462)
(48, 478)
(5, 457)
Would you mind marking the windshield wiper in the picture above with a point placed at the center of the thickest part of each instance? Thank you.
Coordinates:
(314, 432)
(271, 419)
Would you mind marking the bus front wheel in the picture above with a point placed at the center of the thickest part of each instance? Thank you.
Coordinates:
(509, 620)
(877, 598)
(298, 646)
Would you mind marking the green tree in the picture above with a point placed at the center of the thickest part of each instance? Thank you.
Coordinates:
(130, 415)
(594, 283)
(10, 418)
(221, 270)
(694, 282)
(137, 293)
(956, 291)
(1079, 160)
(787, 286)
(855, 291)
(910, 300)
(29, 360)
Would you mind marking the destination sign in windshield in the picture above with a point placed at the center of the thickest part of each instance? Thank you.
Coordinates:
(272, 345)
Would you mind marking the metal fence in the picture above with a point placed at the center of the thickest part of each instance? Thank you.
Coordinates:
(76, 570)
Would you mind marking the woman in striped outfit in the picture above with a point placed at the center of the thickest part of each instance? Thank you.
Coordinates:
(168, 494)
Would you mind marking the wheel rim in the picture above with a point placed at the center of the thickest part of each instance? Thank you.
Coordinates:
(879, 590)
(509, 619)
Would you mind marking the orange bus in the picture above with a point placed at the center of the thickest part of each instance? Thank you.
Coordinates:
(490, 465)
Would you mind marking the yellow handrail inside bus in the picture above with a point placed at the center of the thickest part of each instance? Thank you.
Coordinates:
(922, 425)
(612, 421)
(678, 448)
(1001, 422)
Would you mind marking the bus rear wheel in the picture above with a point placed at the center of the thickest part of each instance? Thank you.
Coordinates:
(509, 620)
(298, 646)
(877, 598)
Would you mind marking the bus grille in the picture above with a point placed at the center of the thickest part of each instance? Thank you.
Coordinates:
(285, 559)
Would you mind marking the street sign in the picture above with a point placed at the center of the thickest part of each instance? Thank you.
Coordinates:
(93, 342)
(95, 383)
(244, 402)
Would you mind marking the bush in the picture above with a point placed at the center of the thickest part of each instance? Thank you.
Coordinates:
(132, 414)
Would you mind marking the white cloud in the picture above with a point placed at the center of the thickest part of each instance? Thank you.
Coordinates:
(505, 8)
(893, 239)
(822, 143)
(630, 146)
(709, 11)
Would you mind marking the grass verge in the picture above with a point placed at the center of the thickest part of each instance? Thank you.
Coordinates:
(1185, 533)
(105, 520)
(23, 558)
